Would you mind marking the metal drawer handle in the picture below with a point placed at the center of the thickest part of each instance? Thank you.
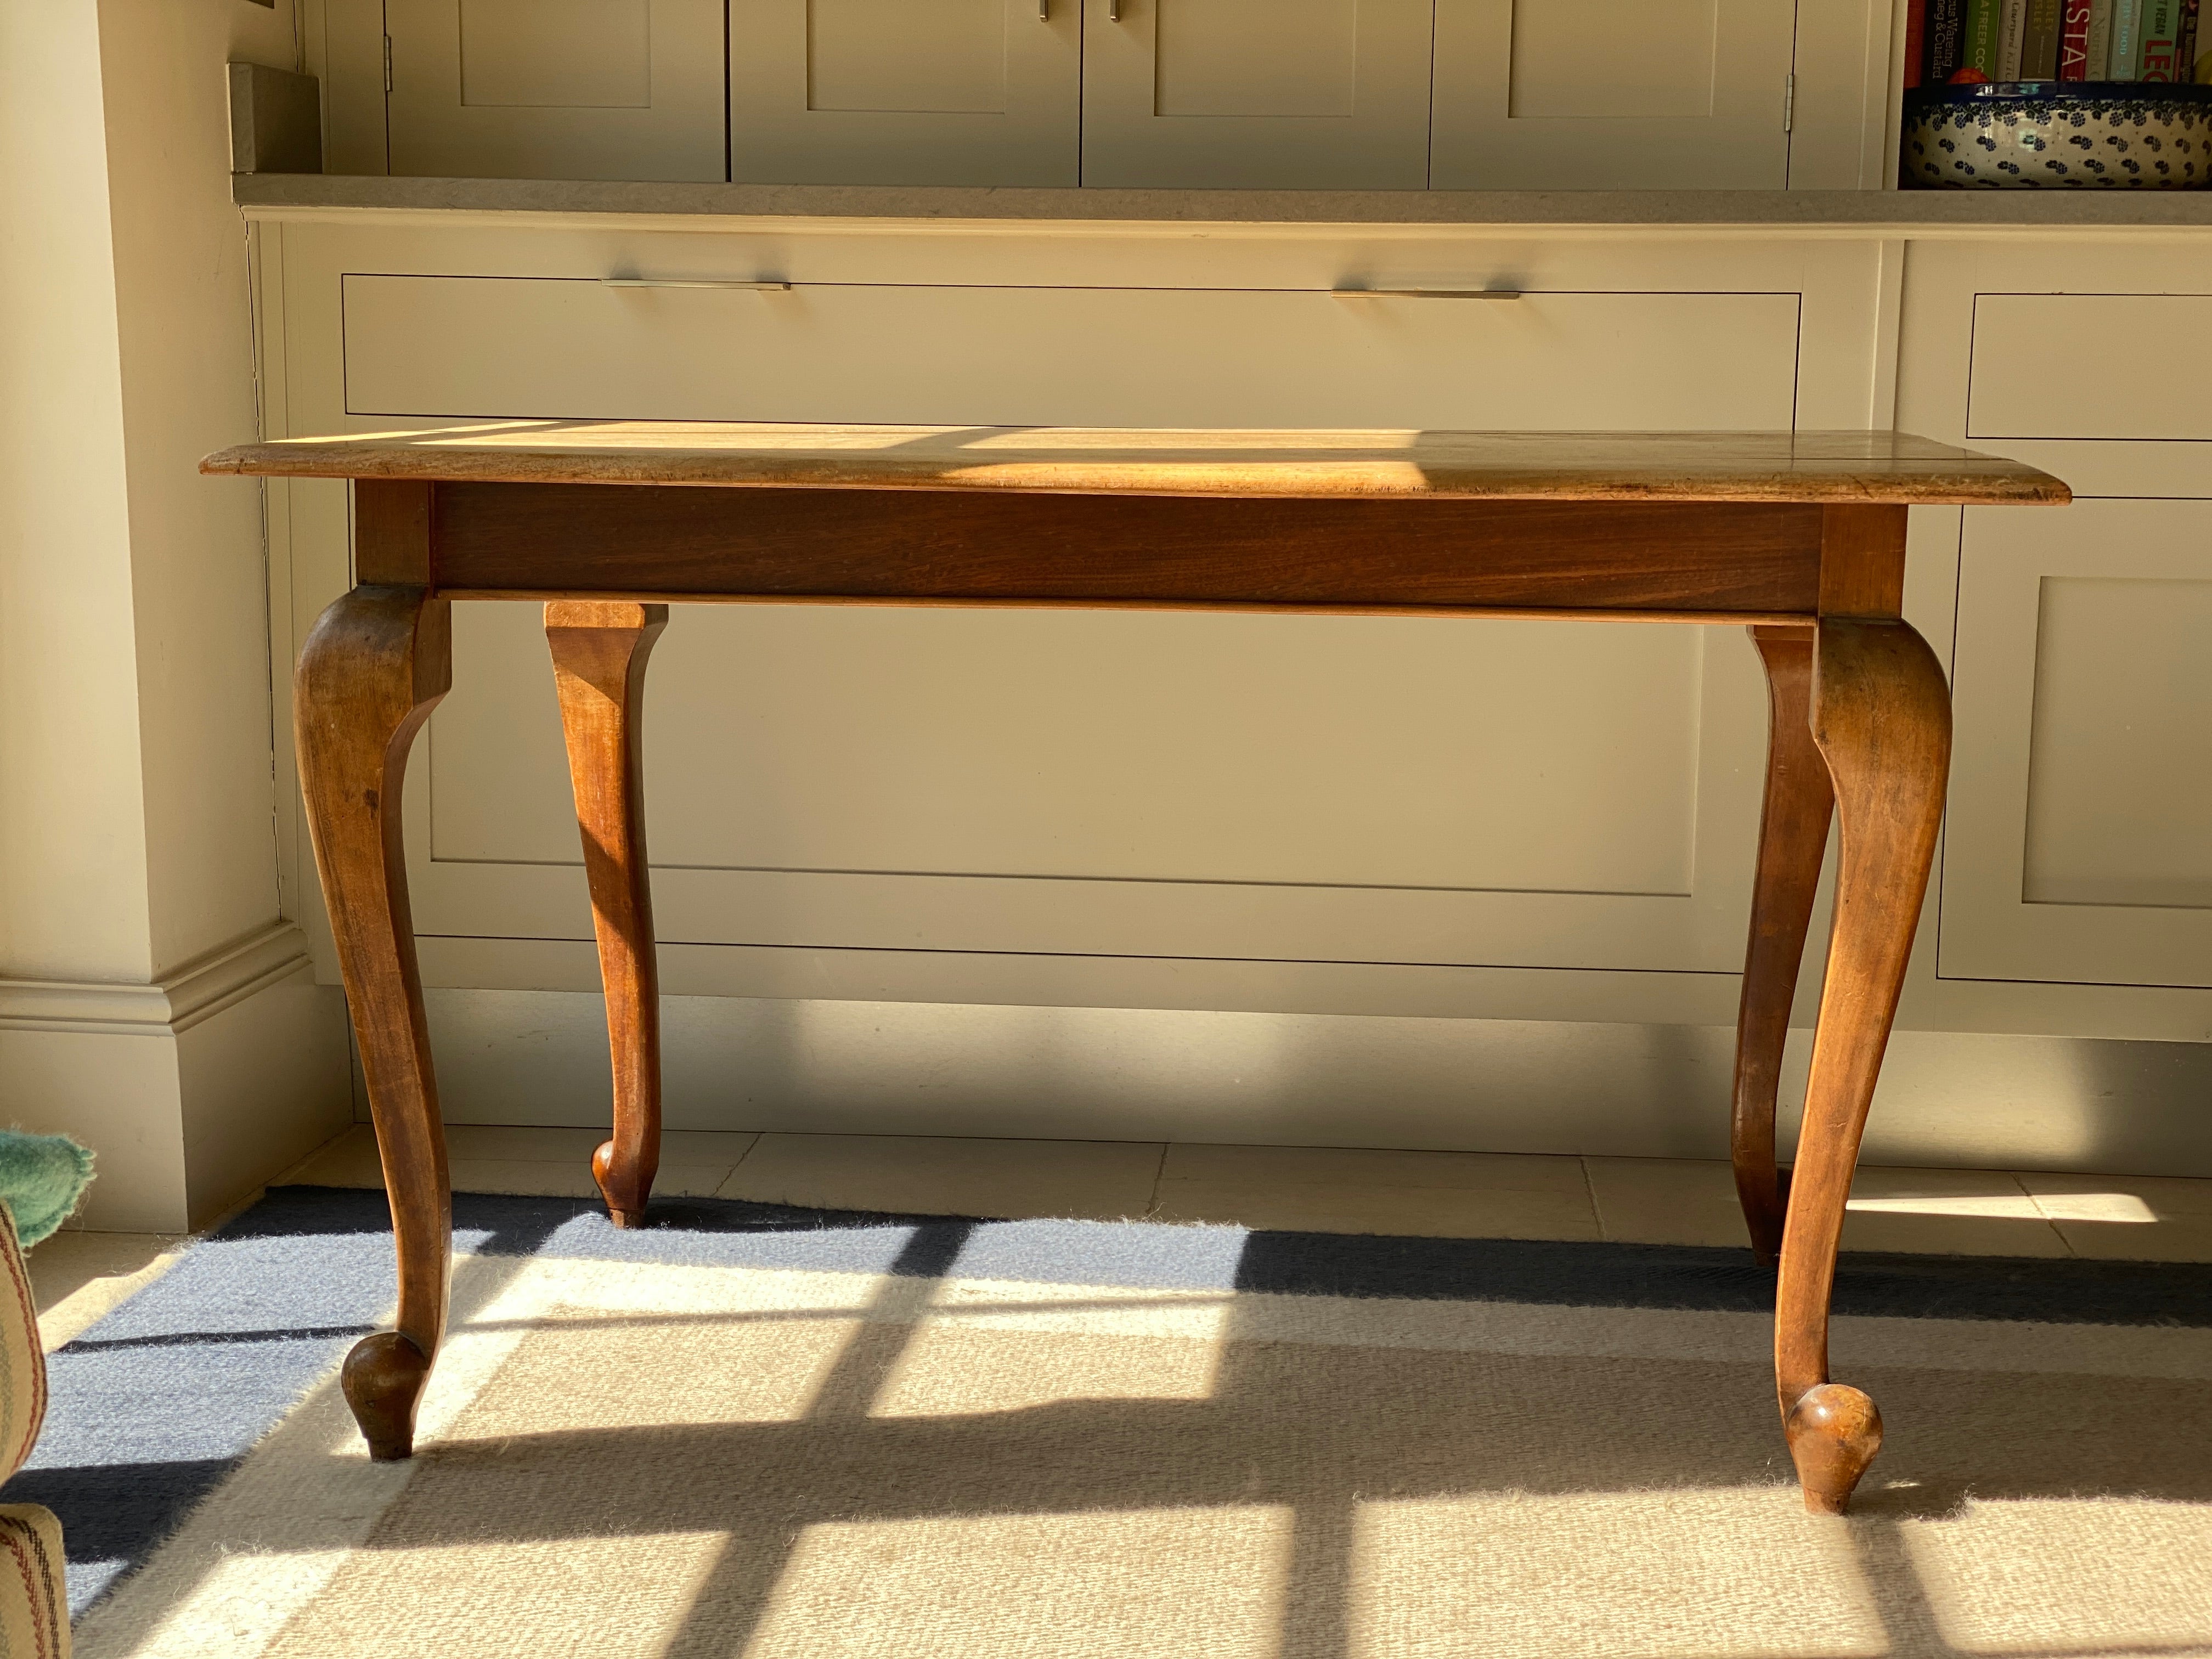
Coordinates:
(1044, 11)
(686, 282)
(1426, 293)
(1113, 11)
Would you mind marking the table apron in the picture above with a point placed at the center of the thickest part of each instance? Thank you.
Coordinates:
(1731, 561)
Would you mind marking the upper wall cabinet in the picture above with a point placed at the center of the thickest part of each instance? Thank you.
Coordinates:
(1318, 95)
(1611, 94)
(1291, 94)
(555, 89)
(905, 92)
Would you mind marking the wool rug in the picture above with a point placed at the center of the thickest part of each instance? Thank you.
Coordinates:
(802, 1435)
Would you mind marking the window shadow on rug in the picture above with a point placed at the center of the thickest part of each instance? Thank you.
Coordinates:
(1324, 1499)
(1139, 1439)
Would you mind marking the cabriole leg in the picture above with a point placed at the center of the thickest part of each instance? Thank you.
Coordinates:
(1881, 717)
(600, 653)
(1793, 832)
(376, 664)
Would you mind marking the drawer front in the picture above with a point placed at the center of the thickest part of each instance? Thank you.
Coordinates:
(447, 346)
(2095, 366)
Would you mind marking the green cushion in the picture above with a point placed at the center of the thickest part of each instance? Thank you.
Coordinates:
(41, 1178)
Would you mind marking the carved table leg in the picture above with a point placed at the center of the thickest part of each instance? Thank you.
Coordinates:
(600, 652)
(1793, 832)
(375, 666)
(1881, 716)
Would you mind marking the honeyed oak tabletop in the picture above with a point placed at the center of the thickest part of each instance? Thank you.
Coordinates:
(1896, 468)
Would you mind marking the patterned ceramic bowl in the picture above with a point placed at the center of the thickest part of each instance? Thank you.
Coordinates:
(2054, 135)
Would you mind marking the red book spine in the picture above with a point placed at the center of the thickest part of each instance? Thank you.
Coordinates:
(1916, 40)
(2074, 41)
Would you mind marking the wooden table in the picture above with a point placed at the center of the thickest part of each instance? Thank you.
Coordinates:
(1800, 536)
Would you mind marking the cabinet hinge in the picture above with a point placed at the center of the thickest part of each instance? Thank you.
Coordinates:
(388, 63)
(1789, 90)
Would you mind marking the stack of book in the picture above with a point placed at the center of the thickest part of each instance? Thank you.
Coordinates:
(1964, 41)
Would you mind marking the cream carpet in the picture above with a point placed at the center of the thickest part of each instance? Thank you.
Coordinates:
(696, 1457)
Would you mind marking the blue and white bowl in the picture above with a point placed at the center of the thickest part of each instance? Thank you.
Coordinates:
(2059, 134)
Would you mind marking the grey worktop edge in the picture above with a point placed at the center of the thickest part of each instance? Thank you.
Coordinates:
(1907, 211)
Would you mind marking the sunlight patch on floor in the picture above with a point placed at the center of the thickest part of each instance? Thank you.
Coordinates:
(2096, 1206)
(2073, 1207)
(2009, 1577)
(951, 1370)
(1663, 1574)
(1178, 1584)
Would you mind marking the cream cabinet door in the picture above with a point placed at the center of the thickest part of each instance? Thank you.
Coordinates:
(1316, 94)
(905, 92)
(2079, 846)
(557, 88)
(1611, 94)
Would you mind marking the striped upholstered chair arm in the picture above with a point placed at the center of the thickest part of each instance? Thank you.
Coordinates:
(34, 1594)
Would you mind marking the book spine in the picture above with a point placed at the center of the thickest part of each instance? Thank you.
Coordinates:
(2074, 41)
(2186, 60)
(2100, 40)
(1915, 41)
(2161, 32)
(1946, 23)
(2038, 41)
(2012, 26)
(2127, 39)
(1978, 52)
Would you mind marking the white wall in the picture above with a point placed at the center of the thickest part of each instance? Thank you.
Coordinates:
(196, 548)
(73, 901)
(137, 871)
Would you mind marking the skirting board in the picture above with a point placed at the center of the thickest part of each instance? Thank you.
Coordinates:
(1947, 1099)
(190, 1090)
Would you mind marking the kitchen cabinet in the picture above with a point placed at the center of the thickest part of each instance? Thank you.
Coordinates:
(1611, 94)
(555, 88)
(863, 815)
(1315, 94)
(906, 92)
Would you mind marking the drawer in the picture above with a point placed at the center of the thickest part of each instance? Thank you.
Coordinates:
(2091, 366)
(462, 346)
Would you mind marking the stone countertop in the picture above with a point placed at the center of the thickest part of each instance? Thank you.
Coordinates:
(1823, 212)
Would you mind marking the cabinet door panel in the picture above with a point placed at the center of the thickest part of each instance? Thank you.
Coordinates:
(1299, 788)
(2080, 846)
(1325, 94)
(905, 92)
(2142, 376)
(1611, 95)
(557, 88)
